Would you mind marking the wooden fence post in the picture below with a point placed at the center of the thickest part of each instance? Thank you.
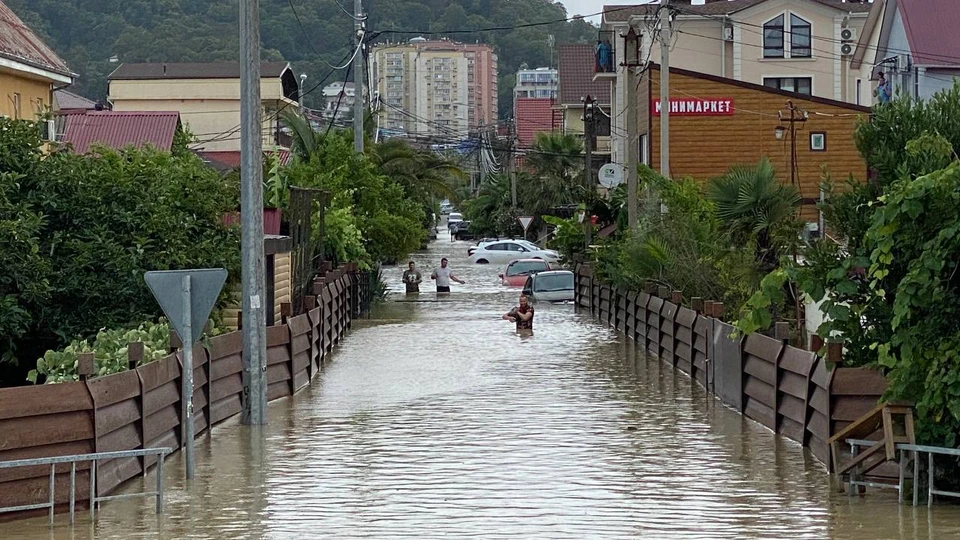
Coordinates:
(677, 297)
(86, 365)
(663, 292)
(286, 311)
(696, 304)
(718, 310)
(135, 353)
(782, 332)
(835, 352)
(816, 343)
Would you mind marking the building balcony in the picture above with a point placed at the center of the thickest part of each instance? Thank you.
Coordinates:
(604, 54)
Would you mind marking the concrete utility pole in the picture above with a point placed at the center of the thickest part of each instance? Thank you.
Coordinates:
(588, 125)
(633, 146)
(358, 79)
(665, 40)
(511, 137)
(251, 215)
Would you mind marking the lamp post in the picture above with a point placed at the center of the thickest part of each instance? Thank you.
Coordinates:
(303, 79)
(631, 61)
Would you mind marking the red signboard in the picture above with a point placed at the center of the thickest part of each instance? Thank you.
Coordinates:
(695, 106)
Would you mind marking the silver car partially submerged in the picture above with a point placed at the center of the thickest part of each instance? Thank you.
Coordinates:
(550, 286)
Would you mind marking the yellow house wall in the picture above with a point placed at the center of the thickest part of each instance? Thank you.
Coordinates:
(35, 95)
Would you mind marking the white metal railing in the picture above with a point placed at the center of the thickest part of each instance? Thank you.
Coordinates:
(53, 461)
(915, 450)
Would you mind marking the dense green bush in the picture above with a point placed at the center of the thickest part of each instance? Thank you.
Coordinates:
(77, 233)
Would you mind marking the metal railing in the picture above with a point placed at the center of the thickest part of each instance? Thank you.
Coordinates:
(915, 450)
(53, 461)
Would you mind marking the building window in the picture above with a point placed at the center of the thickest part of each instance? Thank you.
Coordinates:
(818, 141)
(800, 85)
(17, 111)
(799, 37)
(773, 38)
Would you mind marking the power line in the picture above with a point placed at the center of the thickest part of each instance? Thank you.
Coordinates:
(339, 99)
(503, 28)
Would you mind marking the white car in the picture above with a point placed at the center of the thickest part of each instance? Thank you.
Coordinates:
(526, 243)
(454, 217)
(505, 251)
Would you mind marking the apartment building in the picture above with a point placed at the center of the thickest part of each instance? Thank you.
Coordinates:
(822, 48)
(539, 83)
(435, 88)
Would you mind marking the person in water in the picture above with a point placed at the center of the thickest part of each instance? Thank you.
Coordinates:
(412, 278)
(522, 314)
(443, 276)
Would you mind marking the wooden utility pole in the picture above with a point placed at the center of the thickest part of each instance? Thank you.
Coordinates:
(358, 78)
(665, 39)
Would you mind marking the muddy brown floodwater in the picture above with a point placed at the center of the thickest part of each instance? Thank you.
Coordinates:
(435, 419)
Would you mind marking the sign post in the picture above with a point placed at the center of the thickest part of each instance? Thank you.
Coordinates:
(188, 313)
(525, 222)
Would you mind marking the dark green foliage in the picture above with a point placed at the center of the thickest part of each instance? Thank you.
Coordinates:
(87, 33)
(78, 232)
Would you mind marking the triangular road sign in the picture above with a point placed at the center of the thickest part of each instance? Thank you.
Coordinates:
(205, 287)
(525, 222)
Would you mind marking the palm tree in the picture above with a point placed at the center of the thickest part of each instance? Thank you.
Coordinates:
(423, 174)
(757, 210)
(306, 140)
(557, 155)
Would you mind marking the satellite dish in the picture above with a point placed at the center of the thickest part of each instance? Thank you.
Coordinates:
(611, 175)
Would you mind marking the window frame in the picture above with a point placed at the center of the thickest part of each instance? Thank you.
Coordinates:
(768, 51)
(809, 27)
(794, 78)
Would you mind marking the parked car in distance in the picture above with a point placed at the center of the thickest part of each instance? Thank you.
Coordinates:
(461, 231)
(485, 241)
(446, 207)
(550, 286)
(516, 272)
(454, 217)
(505, 251)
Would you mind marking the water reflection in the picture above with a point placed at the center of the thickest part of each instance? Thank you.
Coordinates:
(436, 418)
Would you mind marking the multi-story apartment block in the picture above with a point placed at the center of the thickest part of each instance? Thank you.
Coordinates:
(540, 83)
(439, 88)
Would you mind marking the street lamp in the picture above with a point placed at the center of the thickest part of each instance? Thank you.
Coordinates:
(779, 131)
(303, 78)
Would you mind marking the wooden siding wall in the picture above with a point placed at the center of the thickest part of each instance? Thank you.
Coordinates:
(703, 147)
(791, 391)
(142, 408)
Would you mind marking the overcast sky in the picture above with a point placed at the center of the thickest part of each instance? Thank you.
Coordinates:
(586, 7)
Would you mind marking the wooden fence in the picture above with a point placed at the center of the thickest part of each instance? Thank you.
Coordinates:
(142, 408)
(792, 391)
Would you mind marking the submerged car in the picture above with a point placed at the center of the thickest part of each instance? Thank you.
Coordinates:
(508, 250)
(516, 272)
(550, 286)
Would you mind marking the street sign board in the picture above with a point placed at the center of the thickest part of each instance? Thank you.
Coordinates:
(611, 175)
(167, 287)
(525, 222)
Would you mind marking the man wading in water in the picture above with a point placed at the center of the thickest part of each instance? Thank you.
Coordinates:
(444, 276)
(412, 279)
(522, 315)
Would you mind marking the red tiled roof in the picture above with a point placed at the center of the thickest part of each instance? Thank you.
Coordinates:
(576, 76)
(716, 7)
(19, 43)
(533, 115)
(931, 27)
(120, 129)
(230, 159)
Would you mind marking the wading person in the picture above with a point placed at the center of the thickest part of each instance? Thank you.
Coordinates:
(412, 278)
(443, 276)
(522, 314)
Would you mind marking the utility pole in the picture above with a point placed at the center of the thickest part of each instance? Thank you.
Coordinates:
(588, 128)
(251, 215)
(511, 137)
(633, 146)
(665, 40)
(358, 79)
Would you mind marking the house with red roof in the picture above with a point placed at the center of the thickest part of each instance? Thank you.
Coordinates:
(919, 47)
(29, 70)
(83, 130)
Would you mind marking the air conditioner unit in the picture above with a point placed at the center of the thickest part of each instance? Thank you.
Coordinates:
(49, 131)
(728, 33)
(847, 49)
(848, 34)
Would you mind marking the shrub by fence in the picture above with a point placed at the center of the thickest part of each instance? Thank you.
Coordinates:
(142, 408)
(792, 391)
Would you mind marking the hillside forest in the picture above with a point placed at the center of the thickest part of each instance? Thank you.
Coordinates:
(313, 35)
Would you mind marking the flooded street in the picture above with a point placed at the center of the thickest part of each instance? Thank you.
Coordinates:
(435, 418)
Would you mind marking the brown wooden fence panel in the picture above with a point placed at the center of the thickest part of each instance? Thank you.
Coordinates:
(760, 357)
(685, 321)
(226, 376)
(116, 416)
(328, 314)
(702, 335)
(727, 362)
(643, 300)
(619, 309)
(630, 315)
(818, 416)
(300, 350)
(668, 331)
(316, 343)
(278, 362)
(584, 287)
(853, 392)
(42, 421)
(604, 304)
(795, 369)
(653, 324)
(160, 385)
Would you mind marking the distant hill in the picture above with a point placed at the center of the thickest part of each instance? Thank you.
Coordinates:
(88, 33)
